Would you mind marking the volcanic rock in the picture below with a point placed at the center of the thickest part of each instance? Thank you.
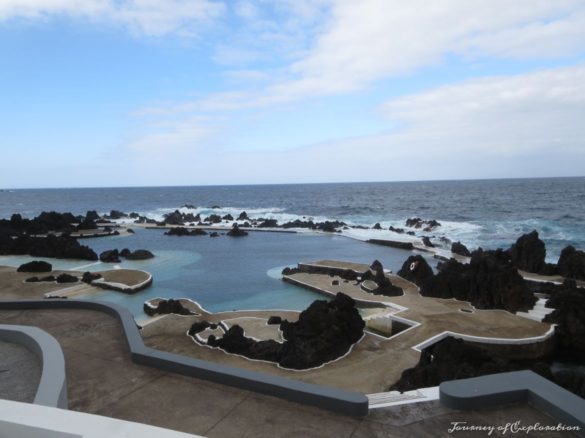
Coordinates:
(167, 306)
(459, 248)
(572, 263)
(140, 254)
(236, 232)
(66, 278)
(528, 253)
(88, 277)
(110, 256)
(417, 270)
(273, 320)
(35, 266)
(243, 216)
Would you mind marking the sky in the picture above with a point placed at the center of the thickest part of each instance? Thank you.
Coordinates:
(97, 93)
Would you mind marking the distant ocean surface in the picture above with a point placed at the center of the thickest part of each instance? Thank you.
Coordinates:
(232, 273)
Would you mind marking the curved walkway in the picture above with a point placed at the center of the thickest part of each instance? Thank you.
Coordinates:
(338, 400)
(52, 389)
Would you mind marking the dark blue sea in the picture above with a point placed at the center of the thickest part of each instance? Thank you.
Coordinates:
(224, 274)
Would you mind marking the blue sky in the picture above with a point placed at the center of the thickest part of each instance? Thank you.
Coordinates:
(177, 92)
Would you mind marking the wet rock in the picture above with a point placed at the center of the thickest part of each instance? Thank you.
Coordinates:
(426, 225)
(427, 242)
(214, 234)
(236, 231)
(125, 252)
(228, 217)
(140, 254)
(396, 230)
(461, 249)
(268, 223)
(199, 326)
(116, 214)
(377, 226)
(181, 231)
(110, 256)
(297, 223)
(290, 271)
(35, 266)
(243, 216)
(92, 215)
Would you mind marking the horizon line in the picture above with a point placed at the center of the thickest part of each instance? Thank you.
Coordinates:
(291, 183)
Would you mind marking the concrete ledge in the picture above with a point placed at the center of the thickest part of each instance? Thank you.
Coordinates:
(392, 243)
(52, 390)
(342, 401)
(518, 386)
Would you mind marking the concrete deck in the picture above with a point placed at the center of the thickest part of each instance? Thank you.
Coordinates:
(20, 372)
(103, 380)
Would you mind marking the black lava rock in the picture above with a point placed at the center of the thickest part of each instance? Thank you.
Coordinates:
(35, 266)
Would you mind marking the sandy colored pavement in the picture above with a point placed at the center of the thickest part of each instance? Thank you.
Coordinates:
(375, 362)
(102, 380)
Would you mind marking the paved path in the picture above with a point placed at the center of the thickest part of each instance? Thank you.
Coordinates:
(103, 380)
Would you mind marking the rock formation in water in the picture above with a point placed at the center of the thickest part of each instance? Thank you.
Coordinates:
(66, 278)
(416, 270)
(426, 225)
(181, 231)
(459, 248)
(35, 266)
(138, 254)
(236, 231)
(110, 256)
(529, 253)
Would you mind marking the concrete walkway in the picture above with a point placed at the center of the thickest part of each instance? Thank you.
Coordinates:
(102, 380)
(20, 372)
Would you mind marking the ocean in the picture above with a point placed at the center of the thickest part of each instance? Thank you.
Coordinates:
(225, 274)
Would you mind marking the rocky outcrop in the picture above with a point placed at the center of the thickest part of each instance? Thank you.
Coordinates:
(86, 224)
(459, 248)
(92, 215)
(426, 225)
(51, 246)
(324, 332)
(377, 226)
(451, 359)
(181, 231)
(236, 231)
(528, 253)
(88, 277)
(213, 219)
(268, 223)
(66, 278)
(572, 263)
(199, 326)
(377, 275)
(110, 256)
(35, 266)
(489, 281)
(297, 223)
(48, 278)
(416, 270)
(569, 315)
(139, 254)
(330, 226)
(274, 320)
(290, 271)
(166, 306)
(116, 214)
(243, 216)
(427, 242)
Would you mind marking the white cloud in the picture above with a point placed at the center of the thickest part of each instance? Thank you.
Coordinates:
(141, 17)
(502, 126)
(366, 41)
